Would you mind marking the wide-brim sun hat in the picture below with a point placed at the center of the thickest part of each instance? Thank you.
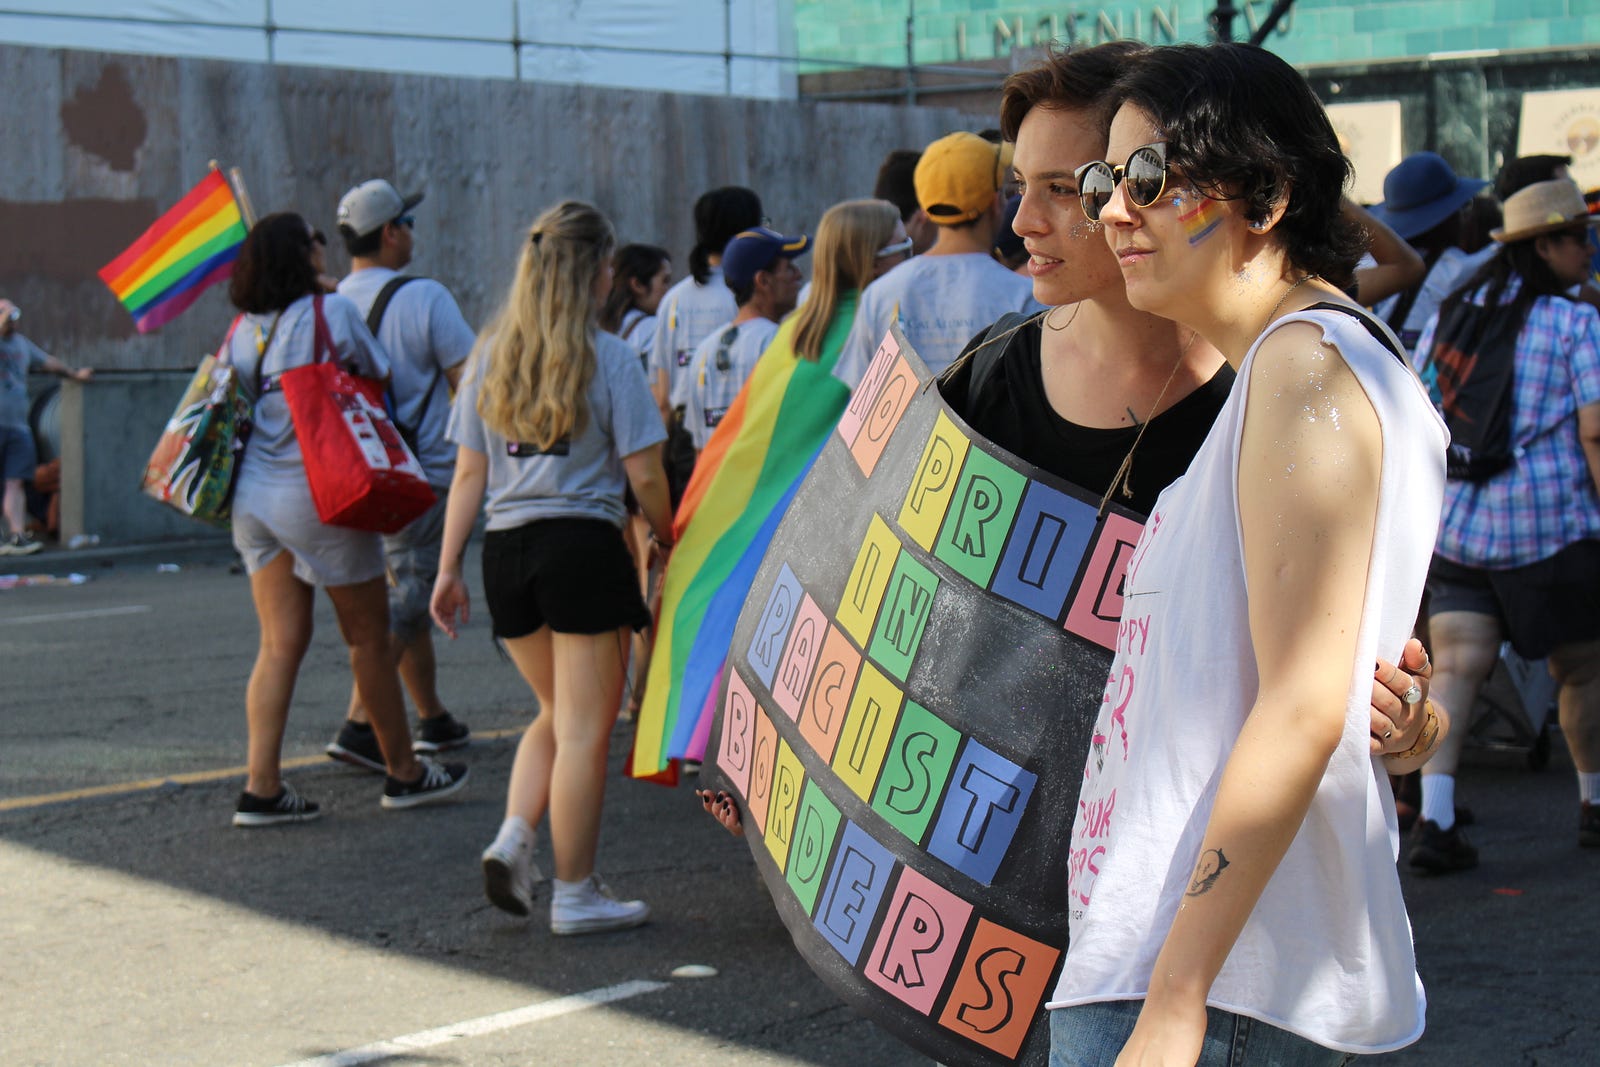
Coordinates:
(1541, 208)
(1422, 191)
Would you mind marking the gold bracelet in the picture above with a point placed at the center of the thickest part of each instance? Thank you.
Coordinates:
(1425, 739)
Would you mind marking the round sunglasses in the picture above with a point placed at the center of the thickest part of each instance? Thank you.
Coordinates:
(1145, 175)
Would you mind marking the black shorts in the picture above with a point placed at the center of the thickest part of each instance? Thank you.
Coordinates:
(572, 575)
(1540, 606)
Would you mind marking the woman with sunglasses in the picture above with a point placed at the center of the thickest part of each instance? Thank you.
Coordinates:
(286, 549)
(1244, 896)
(1518, 555)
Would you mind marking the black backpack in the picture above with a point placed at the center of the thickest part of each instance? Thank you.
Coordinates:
(380, 304)
(1474, 353)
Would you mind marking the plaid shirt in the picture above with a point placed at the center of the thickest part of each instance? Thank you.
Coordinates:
(1546, 500)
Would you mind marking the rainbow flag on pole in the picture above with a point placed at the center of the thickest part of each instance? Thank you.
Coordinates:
(742, 486)
(186, 250)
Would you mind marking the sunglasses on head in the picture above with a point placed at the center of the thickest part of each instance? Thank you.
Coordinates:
(1144, 176)
(895, 249)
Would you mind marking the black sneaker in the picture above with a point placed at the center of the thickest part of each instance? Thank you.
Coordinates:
(287, 806)
(437, 781)
(441, 733)
(19, 545)
(1437, 851)
(357, 745)
(1589, 825)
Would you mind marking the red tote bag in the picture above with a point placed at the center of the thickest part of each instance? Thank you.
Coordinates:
(361, 473)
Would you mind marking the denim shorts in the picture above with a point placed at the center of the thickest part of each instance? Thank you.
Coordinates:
(1091, 1035)
(17, 457)
(411, 556)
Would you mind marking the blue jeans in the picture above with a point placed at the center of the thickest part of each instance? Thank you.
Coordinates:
(1091, 1035)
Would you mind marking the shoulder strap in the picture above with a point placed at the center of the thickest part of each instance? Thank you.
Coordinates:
(1408, 299)
(634, 325)
(380, 303)
(1373, 326)
(985, 357)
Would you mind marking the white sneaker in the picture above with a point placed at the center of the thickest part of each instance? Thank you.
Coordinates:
(509, 875)
(587, 907)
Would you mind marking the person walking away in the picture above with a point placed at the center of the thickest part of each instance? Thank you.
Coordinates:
(419, 325)
(287, 550)
(549, 464)
(18, 457)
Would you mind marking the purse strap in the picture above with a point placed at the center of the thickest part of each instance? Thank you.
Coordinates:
(322, 346)
(225, 351)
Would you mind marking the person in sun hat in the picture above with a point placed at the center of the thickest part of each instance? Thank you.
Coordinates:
(1518, 553)
(758, 266)
(956, 288)
(1423, 201)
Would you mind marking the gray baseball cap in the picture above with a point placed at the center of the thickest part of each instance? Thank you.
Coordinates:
(371, 204)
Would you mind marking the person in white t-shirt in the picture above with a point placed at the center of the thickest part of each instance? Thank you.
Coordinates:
(946, 295)
(643, 276)
(1232, 890)
(428, 340)
(689, 311)
(758, 266)
(549, 466)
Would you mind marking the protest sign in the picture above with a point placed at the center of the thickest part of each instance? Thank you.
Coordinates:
(906, 710)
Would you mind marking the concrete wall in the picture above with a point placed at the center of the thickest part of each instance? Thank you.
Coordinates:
(100, 144)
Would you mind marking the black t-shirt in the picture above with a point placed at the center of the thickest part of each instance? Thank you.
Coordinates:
(1015, 414)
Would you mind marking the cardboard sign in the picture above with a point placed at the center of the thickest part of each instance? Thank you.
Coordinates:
(1565, 122)
(1369, 136)
(906, 711)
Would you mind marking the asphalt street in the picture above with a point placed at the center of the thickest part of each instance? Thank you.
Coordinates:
(139, 927)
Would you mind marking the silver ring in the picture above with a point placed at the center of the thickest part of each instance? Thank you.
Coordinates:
(1412, 695)
(1388, 733)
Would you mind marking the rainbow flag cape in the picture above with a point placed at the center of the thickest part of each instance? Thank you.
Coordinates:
(189, 248)
(742, 485)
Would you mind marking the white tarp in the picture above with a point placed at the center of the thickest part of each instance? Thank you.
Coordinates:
(695, 46)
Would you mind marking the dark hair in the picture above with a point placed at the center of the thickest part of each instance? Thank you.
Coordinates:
(743, 294)
(1523, 171)
(896, 181)
(1519, 259)
(718, 216)
(632, 263)
(1482, 215)
(367, 245)
(274, 265)
(1084, 78)
(1244, 125)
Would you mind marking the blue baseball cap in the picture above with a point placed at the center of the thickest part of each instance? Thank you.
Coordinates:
(755, 250)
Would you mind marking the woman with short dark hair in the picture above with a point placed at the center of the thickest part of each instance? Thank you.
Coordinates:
(1232, 882)
(287, 550)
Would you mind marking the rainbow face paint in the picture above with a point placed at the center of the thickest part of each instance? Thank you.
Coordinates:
(1200, 221)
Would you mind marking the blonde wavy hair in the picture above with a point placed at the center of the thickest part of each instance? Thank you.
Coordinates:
(848, 239)
(537, 357)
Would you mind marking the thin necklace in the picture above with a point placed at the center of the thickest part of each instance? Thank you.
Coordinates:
(1075, 309)
(1123, 479)
(1274, 312)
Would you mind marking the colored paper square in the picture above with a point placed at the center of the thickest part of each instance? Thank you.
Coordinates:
(816, 827)
(906, 604)
(763, 764)
(869, 577)
(1097, 605)
(866, 391)
(1003, 979)
(855, 886)
(987, 798)
(975, 527)
(829, 699)
(868, 729)
(917, 941)
(786, 783)
(934, 483)
(1046, 547)
(736, 751)
(915, 771)
(878, 425)
(772, 630)
(799, 657)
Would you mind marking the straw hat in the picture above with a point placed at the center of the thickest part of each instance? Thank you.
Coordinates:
(1543, 207)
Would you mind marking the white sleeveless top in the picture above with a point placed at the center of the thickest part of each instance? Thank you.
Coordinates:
(1326, 954)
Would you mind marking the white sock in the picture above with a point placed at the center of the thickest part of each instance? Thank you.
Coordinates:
(516, 834)
(1589, 787)
(1439, 799)
(570, 889)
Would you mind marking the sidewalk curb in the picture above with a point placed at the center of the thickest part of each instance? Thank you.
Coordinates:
(57, 559)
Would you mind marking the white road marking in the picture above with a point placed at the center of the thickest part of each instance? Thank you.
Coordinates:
(96, 613)
(487, 1024)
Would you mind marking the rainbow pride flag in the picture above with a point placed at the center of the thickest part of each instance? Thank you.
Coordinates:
(186, 250)
(742, 486)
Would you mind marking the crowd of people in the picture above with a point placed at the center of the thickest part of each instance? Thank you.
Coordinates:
(1154, 242)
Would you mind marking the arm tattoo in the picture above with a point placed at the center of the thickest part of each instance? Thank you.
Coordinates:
(1212, 864)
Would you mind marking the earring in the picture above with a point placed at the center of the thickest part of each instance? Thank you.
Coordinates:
(1259, 225)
